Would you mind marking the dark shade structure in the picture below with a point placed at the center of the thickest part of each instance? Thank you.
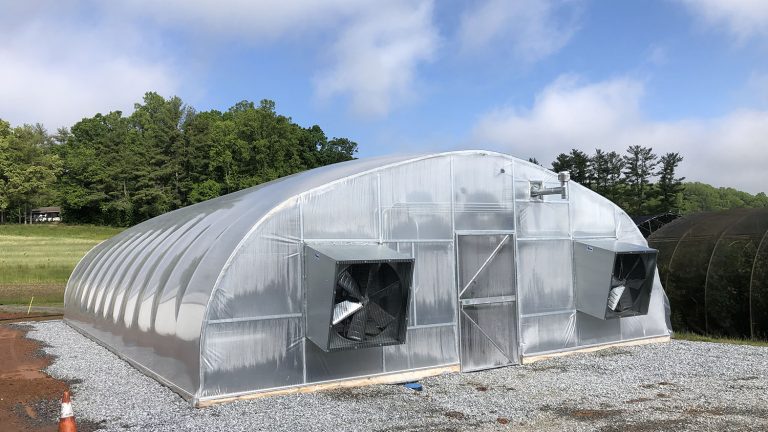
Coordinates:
(714, 266)
(649, 224)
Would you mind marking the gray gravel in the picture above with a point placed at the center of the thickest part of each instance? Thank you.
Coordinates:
(674, 386)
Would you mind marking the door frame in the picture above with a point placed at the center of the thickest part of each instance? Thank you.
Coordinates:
(515, 359)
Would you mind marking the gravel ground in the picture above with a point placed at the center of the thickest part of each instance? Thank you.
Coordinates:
(676, 386)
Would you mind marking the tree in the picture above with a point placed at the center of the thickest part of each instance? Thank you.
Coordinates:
(639, 165)
(122, 170)
(5, 167)
(28, 169)
(580, 167)
(669, 186)
(598, 172)
(614, 164)
(562, 162)
(577, 163)
(698, 197)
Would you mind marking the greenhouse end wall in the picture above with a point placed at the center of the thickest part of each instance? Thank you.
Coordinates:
(254, 329)
(210, 299)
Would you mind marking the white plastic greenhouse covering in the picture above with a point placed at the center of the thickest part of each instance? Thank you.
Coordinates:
(209, 299)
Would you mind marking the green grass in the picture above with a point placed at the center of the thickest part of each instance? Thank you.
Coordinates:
(714, 339)
(38, 259)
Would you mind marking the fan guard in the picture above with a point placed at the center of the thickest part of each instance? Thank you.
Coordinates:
(367, 301)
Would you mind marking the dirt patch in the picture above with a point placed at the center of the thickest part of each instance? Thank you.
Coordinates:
(455, 415)
(18, 313)
(583, 414)
(656, 385)
(594, 414)
(747, 378)
(541, 368)
(612, 352)
(648, 426)
(704, 411)
(357, 393)
(502, 420)
(638, 400)
(28, 397)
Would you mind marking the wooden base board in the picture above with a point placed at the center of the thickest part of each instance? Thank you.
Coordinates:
(660, 339)
(394, 378)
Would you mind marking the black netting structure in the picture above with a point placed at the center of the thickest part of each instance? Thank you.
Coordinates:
(649, 224)
(714, 266)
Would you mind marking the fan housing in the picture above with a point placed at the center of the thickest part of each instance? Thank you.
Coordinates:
(613, 279)
(357, 295)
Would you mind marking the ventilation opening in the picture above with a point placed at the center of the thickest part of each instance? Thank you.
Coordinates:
(613, 279)
(357, 296)
(627, 282)
(368, 305)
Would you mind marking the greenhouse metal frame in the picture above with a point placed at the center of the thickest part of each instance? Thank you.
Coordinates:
(211, 299)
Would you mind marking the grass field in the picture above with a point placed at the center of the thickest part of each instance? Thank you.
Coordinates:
(36, 260)
(715, 339)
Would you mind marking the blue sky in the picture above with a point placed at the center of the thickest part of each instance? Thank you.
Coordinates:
(526, 77)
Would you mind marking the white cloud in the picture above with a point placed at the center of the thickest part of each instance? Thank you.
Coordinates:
(743, 18)
(534, 29)
(68, 59)
(375, 47)
(375, 58)
(757, 86)
(56, 72)
(728, 151)
(265, 19)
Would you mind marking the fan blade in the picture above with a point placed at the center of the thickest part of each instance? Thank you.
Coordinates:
(615, 296)
(381, 317)
(356, 329)
(384, 290)
(348, 283)
(371, 329)
(373, 281)
(344, 309)
(625, 302)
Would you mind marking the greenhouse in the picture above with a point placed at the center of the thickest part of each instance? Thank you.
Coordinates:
(388, 268)
(714, 266)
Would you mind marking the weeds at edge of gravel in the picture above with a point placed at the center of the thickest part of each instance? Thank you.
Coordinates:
(694, 337)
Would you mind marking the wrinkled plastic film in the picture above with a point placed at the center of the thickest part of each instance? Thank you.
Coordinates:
(242, 356)
(210, 298)
(546, 276)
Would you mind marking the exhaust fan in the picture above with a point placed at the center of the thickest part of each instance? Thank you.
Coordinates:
(613, 279)
(357, 296)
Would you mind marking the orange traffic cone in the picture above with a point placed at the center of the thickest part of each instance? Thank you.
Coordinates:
(67, 420)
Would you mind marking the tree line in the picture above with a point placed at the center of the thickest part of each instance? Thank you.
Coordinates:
(112, 169)
(641, 182)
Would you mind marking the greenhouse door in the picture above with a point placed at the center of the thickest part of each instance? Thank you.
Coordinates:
(487, 302)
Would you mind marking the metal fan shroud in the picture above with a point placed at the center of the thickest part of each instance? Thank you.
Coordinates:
(357, 295)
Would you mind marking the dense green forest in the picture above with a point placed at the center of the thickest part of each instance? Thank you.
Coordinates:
(113, 169)
(642, 182)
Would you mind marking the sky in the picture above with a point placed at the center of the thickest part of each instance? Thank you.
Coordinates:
(532, 78)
